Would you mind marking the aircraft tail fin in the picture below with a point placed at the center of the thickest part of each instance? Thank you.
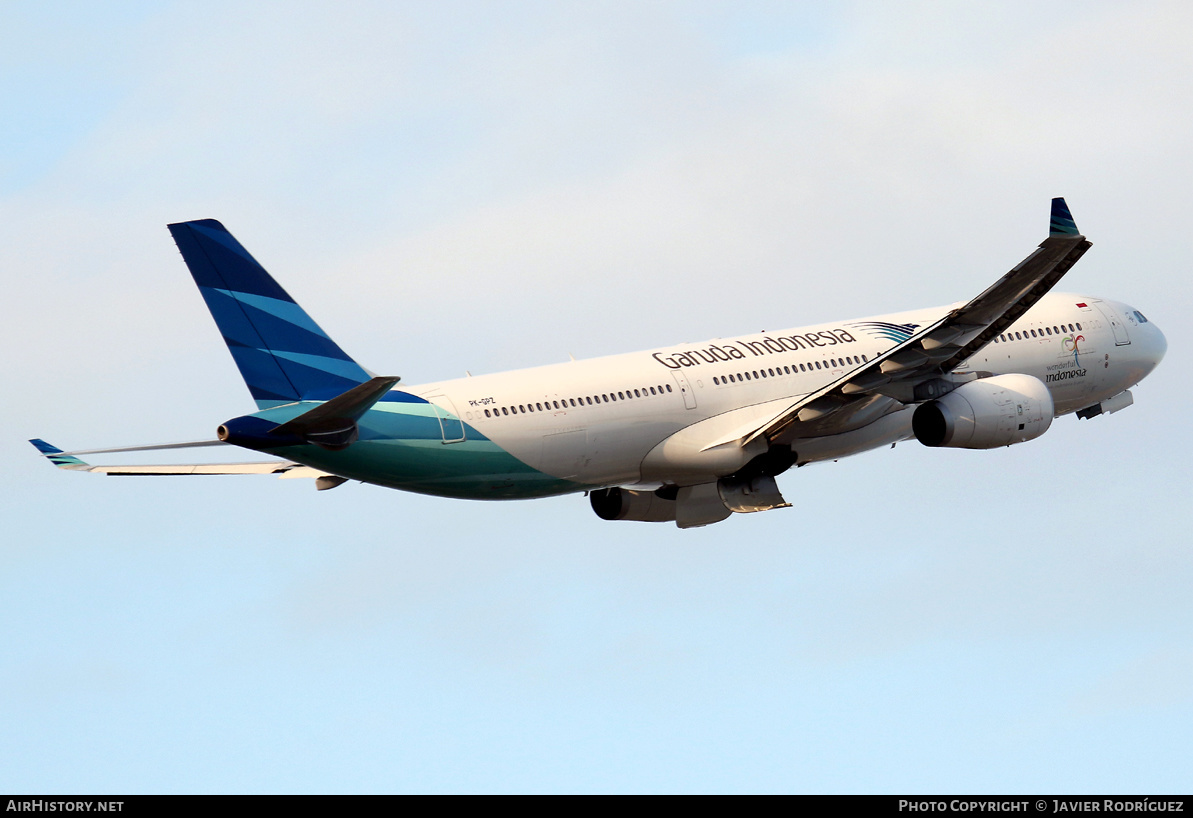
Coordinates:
(281, 352)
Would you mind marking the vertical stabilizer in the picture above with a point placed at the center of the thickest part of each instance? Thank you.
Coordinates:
(281, 352)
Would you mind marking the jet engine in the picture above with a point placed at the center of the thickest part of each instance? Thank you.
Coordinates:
(986, 414)
(626, 504)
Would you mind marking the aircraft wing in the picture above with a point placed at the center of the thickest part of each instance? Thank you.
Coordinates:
(915, 370)
(68, 460)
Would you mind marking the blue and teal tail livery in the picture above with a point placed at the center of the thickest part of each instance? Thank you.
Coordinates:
(282, 353)
(57, 456)
(1061, 223)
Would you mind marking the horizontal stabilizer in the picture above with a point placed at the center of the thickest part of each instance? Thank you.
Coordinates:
(332, 424)
(349, 406)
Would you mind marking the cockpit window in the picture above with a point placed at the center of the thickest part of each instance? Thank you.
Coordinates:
(1139, 317)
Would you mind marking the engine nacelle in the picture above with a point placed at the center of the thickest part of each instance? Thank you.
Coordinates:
(626, 504)
(986, 414)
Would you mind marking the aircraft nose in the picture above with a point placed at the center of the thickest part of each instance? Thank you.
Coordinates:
(1159, 345)
(1153, 345)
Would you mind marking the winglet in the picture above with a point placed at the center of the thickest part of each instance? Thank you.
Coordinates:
(55, 455)
(1062, 223)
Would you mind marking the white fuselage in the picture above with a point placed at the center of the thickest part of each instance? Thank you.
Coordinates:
(595, 421)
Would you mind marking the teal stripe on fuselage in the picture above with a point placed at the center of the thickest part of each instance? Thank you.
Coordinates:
(401, 446)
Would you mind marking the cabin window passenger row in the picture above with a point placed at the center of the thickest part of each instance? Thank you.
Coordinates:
(497, 412)
(666, 388)
(1053, 330)
(792, 369)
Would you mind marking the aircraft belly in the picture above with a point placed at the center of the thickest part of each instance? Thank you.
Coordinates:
(617, 450)
(605, 453)
(404, 447)
(565, 453)
(478, 470)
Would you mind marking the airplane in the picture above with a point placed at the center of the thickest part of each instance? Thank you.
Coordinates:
(687, 434)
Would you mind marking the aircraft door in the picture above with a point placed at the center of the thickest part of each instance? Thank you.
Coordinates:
(450, 424)
(1116, 323)
(685, 389)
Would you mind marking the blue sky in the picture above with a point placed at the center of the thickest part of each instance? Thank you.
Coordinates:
(469, 186)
